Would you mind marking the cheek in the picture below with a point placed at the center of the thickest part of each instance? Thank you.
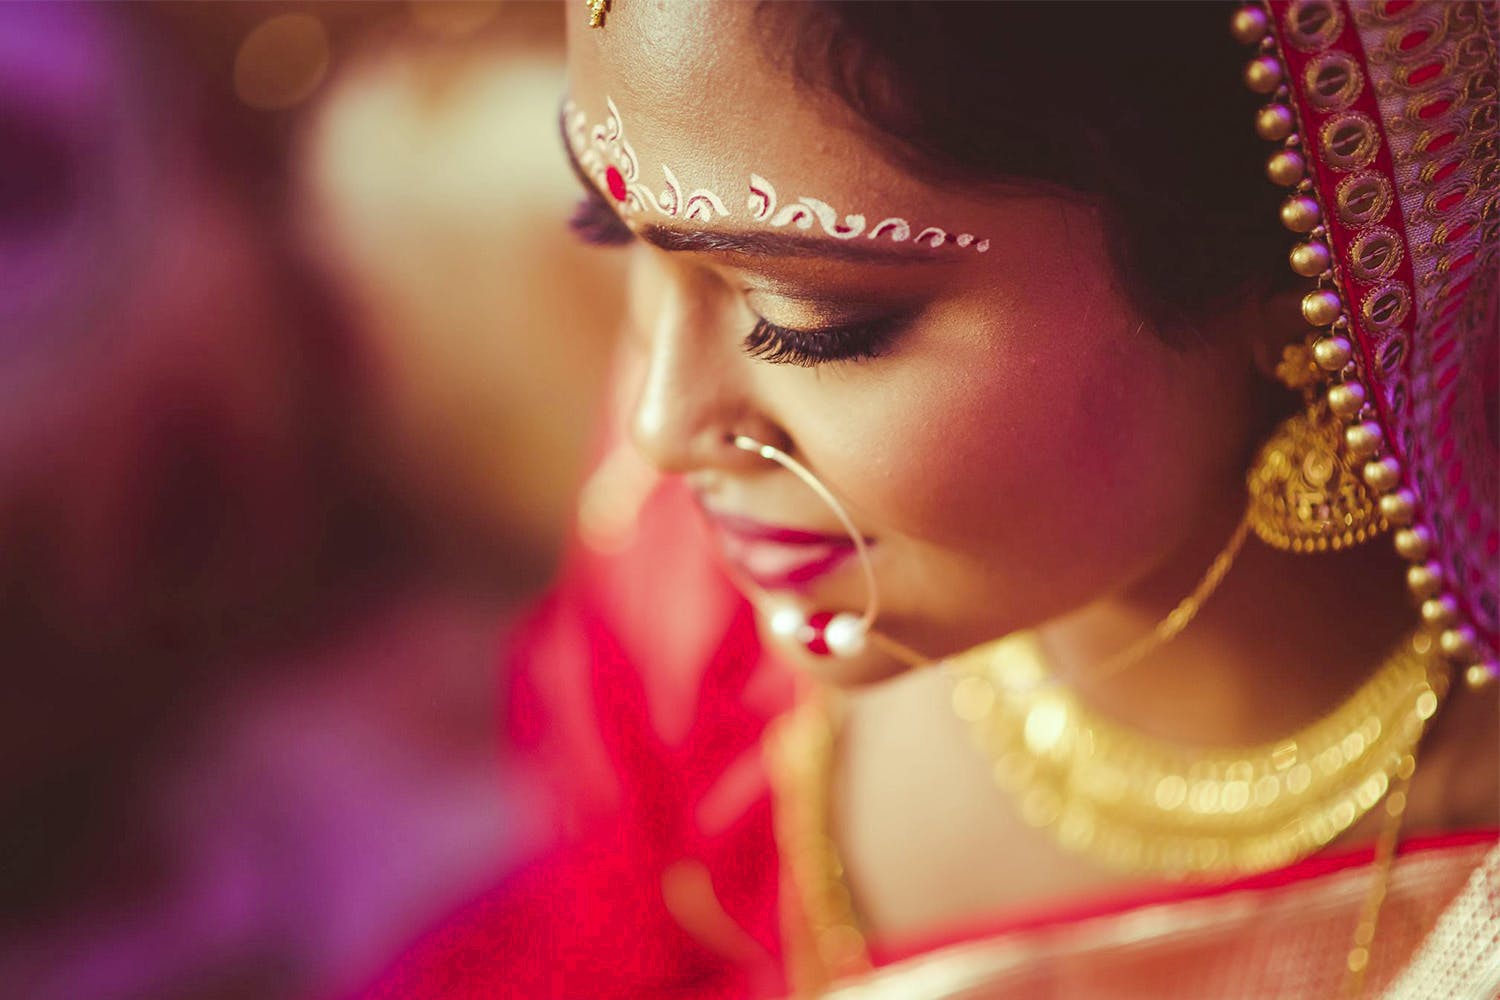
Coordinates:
(1080, 450)
(1002, 447)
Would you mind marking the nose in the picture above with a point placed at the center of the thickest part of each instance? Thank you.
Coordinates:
(695, 390)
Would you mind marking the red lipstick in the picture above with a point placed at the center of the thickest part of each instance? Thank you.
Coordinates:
(778, 557)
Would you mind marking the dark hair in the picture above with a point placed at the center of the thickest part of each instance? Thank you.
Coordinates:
(1138, 108)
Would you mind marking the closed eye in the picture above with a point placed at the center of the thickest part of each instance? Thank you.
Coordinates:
(808, 348)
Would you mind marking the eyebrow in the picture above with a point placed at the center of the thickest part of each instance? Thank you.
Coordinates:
(859, 250)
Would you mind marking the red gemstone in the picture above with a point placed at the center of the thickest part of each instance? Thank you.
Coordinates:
(817, 644)
(616, 183)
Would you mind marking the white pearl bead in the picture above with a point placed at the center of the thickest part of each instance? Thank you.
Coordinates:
(787, 622)
(845, 635)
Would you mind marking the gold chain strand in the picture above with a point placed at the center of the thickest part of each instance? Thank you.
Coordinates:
(1358, 962)
(1181, 616)
(1161, 633)
(824, 942)
(1144, 805)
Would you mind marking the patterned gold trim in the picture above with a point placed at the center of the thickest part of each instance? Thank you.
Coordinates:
(1312, 25)
(1446, 199)
(1421, 111)
(1350, 141)
(1445, 230)
(1387, 306)
(995, 966)
(1426, 74)
(1419, 32)
(1363, 198)
(1376, 253)
(1333, 80)
(1461, 956)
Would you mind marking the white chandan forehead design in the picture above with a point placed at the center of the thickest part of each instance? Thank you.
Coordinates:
(607, 156)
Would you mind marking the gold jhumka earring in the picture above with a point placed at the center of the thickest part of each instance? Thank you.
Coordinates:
(1306, 494)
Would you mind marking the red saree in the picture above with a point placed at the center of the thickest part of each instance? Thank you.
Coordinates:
(641, 694)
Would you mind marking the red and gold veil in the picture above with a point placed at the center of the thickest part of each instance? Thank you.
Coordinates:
(1385, 115)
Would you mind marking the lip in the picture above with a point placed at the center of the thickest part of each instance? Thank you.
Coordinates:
(776, 556)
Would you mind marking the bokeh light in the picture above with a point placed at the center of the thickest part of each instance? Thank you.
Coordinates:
(281, 62)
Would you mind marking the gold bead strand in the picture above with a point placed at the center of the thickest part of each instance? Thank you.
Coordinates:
(1365, 441)
(1323, 308)
(1357, 963)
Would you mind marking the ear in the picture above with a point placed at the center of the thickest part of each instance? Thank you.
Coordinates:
(1269, 325)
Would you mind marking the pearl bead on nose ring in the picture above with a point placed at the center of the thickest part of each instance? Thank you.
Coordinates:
(822, 633)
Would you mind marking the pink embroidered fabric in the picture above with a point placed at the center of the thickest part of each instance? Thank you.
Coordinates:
(1397, 102)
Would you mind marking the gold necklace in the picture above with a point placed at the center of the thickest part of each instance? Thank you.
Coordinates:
(1144, 805)
(1375, 733)
(820, 932)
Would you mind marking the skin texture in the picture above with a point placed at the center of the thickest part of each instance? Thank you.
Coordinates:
(1025, 453)
(979, 449)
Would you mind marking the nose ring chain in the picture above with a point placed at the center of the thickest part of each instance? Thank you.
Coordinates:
(823, 633)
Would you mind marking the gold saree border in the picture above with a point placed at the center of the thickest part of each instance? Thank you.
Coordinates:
(958, 971)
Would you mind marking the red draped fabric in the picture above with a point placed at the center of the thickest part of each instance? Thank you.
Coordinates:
(639, 693)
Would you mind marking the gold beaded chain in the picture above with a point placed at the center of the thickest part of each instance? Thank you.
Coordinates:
(821, 932)
(1183, 614)
(1357, 962)
(1164, 631)
(1144, 805)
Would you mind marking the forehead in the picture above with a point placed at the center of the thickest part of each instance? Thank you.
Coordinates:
(701, 97)
(693, 80)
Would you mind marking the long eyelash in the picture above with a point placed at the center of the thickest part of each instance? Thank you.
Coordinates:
(806, 348)
(596, 223)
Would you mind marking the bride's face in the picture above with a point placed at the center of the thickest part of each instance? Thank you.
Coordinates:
(1001, 423)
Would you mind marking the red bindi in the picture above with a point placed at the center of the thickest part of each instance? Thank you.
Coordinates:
(615, 182)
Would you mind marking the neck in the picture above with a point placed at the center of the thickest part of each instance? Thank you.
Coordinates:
(1284, 639)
